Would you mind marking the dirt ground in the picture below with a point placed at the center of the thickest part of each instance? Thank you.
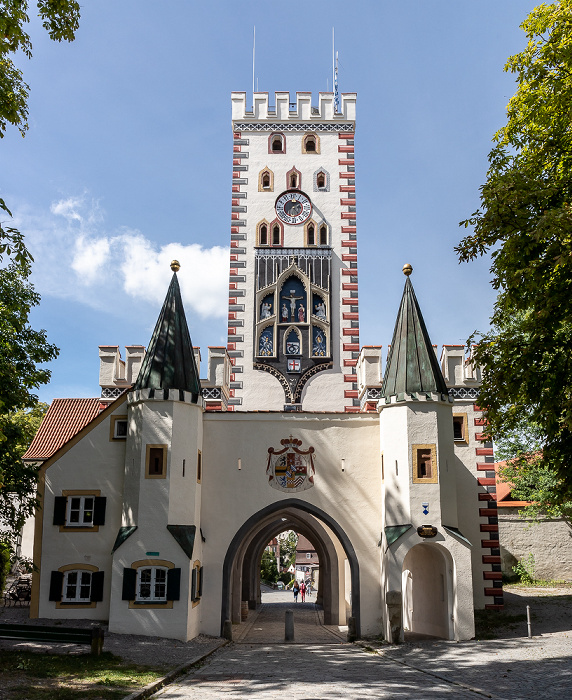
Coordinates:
(550, 609)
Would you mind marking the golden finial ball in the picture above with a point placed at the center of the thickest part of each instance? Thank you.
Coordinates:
(407, 269)
(175, 265)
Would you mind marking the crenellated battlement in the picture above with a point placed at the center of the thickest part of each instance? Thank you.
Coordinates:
(301, 110)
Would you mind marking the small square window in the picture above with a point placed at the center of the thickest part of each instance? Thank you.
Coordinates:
(151, 584)
(80, 511)
(120, 429)
(77, 587)
(308, 555)
(156, 462)
(460, 428)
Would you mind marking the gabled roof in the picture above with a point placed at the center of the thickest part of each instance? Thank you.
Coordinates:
(64, 419)
(412, 366)
(170, 360)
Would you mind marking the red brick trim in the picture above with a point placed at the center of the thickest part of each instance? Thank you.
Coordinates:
(345, 149)
(350, 316)
(346, 135)
(347, 176)
(351, 347)
(350, 285)
(349, 271)
(351, 409)
(350, 331)
(352, 301)
(346, 161)
(347, 188)
(350, 363)
(484, 451)
(350, 377)
(349, 229)
(349, 258)
(348, 203)
(486, 482)
(350, 394)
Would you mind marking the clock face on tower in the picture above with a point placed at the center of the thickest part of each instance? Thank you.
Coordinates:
(293, 207)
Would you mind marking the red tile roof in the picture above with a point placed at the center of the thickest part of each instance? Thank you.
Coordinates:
(64, 419)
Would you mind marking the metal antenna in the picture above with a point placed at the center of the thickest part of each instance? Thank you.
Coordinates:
(335, 74)
(253, 62)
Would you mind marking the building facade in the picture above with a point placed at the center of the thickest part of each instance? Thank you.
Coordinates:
(156, 510)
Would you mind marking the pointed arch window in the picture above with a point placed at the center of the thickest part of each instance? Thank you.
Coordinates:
(276, 234)
(321, 180)
(263, 235)
(311, 143)
(276, 143)
(293, 179)
(323, 234)
(311, 233)
(266, 180)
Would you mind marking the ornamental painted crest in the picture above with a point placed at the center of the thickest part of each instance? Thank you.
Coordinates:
(291, 468)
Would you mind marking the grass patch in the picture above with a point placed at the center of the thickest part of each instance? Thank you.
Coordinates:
(489, 623)
(36, 676)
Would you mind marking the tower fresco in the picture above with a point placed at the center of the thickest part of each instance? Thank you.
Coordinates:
(293, 309)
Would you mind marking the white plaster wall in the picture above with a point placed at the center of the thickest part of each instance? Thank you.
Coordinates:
(95, 462)
(231, 496)
(184, 491)
(549, 541)
(263, 392)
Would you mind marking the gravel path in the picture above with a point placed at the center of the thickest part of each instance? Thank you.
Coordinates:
(150, 651)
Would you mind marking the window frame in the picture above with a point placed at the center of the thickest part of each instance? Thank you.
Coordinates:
(113, 428)
(271, 138)
(434, 477)
(148, 474)
(153, 583)
(99, 508)
(94, 596)
(464, 439)
(263, 172)
(316, 139)
(146, 603)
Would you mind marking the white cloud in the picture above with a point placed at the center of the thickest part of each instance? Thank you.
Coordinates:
(76, 258)
(89, 258)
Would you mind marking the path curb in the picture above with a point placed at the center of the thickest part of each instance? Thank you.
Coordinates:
(172, 675)
(382, 652)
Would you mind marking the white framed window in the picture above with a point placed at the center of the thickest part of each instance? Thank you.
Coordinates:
(80, 511)
(308, 555)
(151, 584)
(77, 587)
(120, 429)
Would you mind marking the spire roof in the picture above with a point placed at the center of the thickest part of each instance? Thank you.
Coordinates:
(412, 366)
(170, 361)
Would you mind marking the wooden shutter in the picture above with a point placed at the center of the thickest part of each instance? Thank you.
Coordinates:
(200, 582)
(173, 584)
(99, 510)
(129, 583)
(194, 585)
(96, 586)
(60, 504)
(56, 585)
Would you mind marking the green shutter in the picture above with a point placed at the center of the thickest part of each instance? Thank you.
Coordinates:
(129, 583)
(96, 586)
(194, 585)
(99, 510)
(60, 503)
(56, 586)
(173, 584)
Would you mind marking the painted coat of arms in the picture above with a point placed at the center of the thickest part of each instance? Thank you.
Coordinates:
(291, 468)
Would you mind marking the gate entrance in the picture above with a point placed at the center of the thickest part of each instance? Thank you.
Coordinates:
(338, 586)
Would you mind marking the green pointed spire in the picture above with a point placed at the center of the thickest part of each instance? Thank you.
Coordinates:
(411, 366)
(170, 361)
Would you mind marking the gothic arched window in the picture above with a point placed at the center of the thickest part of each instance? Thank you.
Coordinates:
(323, 234)
(311, 144)
(276, 143)
(266, 180)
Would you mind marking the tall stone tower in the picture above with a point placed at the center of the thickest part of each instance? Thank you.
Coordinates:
(293, 323)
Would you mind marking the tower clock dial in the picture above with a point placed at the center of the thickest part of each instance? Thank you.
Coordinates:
(293, 207)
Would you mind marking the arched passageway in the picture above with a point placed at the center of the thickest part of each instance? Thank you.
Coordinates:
(427, 590)
(241, 568)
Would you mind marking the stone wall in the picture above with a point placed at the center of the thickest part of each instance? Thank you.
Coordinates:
(549, 541)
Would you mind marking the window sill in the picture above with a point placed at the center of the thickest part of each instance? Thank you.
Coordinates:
(74, 606)
(76, 528)
(140, 605)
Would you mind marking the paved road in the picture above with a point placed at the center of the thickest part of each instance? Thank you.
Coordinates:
(512, 668)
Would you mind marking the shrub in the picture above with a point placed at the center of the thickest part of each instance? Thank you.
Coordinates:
(525, 569)
(4, 564)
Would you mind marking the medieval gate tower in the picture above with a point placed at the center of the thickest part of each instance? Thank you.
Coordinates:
(293, 324)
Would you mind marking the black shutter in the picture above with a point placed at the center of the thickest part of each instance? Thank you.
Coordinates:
(60, 510)
(173, 584)
(56, 585)
(99, 510)
(96, 586)
(194, 585)
(200, 581)
(129, 583)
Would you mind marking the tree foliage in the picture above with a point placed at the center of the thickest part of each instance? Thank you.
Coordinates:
(17, 479)
(288, 542)
(532, 479)
(268, 568)
(61, 20)
(525, 223)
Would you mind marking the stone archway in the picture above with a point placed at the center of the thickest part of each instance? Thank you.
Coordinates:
(240, 567)
(427, 591)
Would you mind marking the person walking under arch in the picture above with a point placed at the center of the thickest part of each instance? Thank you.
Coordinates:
(296, 590)
(303, 591)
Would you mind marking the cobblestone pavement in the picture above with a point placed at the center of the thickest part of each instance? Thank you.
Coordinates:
(513, 667)
(306, 672)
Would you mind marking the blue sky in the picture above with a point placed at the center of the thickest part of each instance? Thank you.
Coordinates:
(127, 162)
